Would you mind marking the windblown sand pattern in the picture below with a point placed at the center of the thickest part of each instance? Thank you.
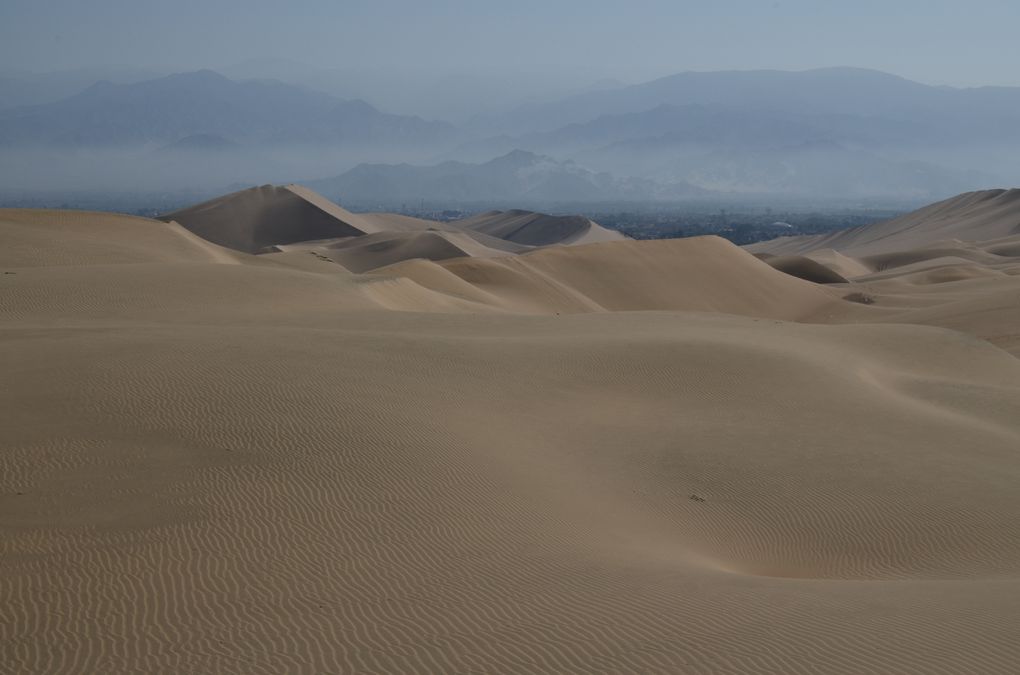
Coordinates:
(214, 462)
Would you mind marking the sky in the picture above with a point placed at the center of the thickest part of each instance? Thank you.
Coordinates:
(933, 41)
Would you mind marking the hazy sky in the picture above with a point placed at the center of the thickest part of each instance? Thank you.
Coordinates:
(934, 41)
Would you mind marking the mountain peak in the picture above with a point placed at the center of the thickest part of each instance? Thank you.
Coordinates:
(515, 157)
(204, 75)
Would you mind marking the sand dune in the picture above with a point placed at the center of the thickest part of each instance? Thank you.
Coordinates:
(360, 254)
(36, 238)
(984, 307)
(254, 219)
(803, 267)
(952, 270)
(395, 222)
(538, 229)
(973, 216)
(884, 261)
(954, 264)
(216, 462)
(1007, 247)
(918, 271)
(948, 292)
(820, 266)
(699, 274)
(843, 265)
(271, 218)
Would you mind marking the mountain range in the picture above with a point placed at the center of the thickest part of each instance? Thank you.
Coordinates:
(825, 91)
(824, 133)
(519, 176)
(168, 109)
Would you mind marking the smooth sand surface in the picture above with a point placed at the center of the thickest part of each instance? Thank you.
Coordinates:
(213, 462)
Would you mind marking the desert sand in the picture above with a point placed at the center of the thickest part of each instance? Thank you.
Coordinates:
(583, 455)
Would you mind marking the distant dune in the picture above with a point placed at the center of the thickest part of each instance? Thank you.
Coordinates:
(951, 264)
(703, 274)
(536, 229)
(973, 216)
(259, 218)
(519, 444)
(360, 254)
(251, 220)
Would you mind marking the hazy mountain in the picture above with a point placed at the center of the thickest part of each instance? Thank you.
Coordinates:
(708, 127)
(455, 95)
(828, 132)
(517, 176)
(168, 109)
(762, 156)
(826, 91)
(817, 169)
(201, 143)
(200, 129)
(19, 88)
(717, 125)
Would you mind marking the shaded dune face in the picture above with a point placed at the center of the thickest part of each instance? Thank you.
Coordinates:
(220, 462)
(537, 229)
(255, 219)
(803, 268)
